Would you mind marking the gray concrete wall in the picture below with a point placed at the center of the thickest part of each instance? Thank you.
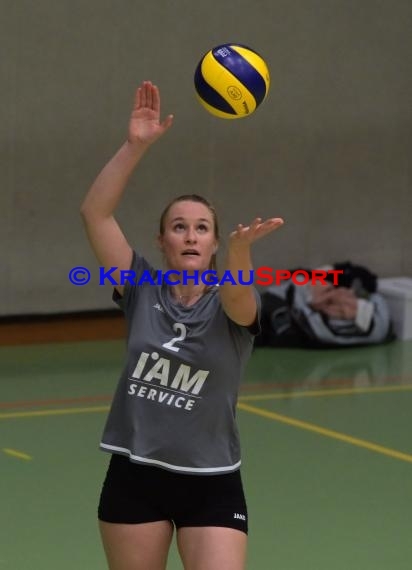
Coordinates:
(329, 150)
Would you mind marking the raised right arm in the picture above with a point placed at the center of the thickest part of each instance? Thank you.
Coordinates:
(106, 238)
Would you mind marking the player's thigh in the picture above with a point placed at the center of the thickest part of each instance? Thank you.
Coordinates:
(142, 546)
(212, 548)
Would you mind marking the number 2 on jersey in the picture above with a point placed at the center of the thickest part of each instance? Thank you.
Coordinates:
(181, 329)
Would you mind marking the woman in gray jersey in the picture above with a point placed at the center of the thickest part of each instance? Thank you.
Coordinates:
(171, 429)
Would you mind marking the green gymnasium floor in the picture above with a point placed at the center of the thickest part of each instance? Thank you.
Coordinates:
(327, 456)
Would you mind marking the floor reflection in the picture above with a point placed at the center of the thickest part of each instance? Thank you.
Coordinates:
(291, 369)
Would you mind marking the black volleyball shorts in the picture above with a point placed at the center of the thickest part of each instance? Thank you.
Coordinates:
(134, 494)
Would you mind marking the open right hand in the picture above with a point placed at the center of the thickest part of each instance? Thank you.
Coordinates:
(145, 126)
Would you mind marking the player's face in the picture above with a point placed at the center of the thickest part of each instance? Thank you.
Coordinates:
(188, 241)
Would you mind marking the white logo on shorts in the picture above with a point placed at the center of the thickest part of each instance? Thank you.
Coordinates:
(239, 516)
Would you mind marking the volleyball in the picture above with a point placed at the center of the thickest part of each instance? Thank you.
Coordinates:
(231, 81)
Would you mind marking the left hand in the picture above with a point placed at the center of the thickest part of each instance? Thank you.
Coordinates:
(246, 235)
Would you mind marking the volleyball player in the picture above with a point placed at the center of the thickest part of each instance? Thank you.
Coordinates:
(172, 430)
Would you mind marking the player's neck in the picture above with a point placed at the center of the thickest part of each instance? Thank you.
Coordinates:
(187, 295)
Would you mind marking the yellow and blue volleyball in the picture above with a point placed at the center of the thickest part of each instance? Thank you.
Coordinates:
(231, 81)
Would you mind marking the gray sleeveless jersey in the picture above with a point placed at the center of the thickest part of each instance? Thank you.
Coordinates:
(175, 404)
